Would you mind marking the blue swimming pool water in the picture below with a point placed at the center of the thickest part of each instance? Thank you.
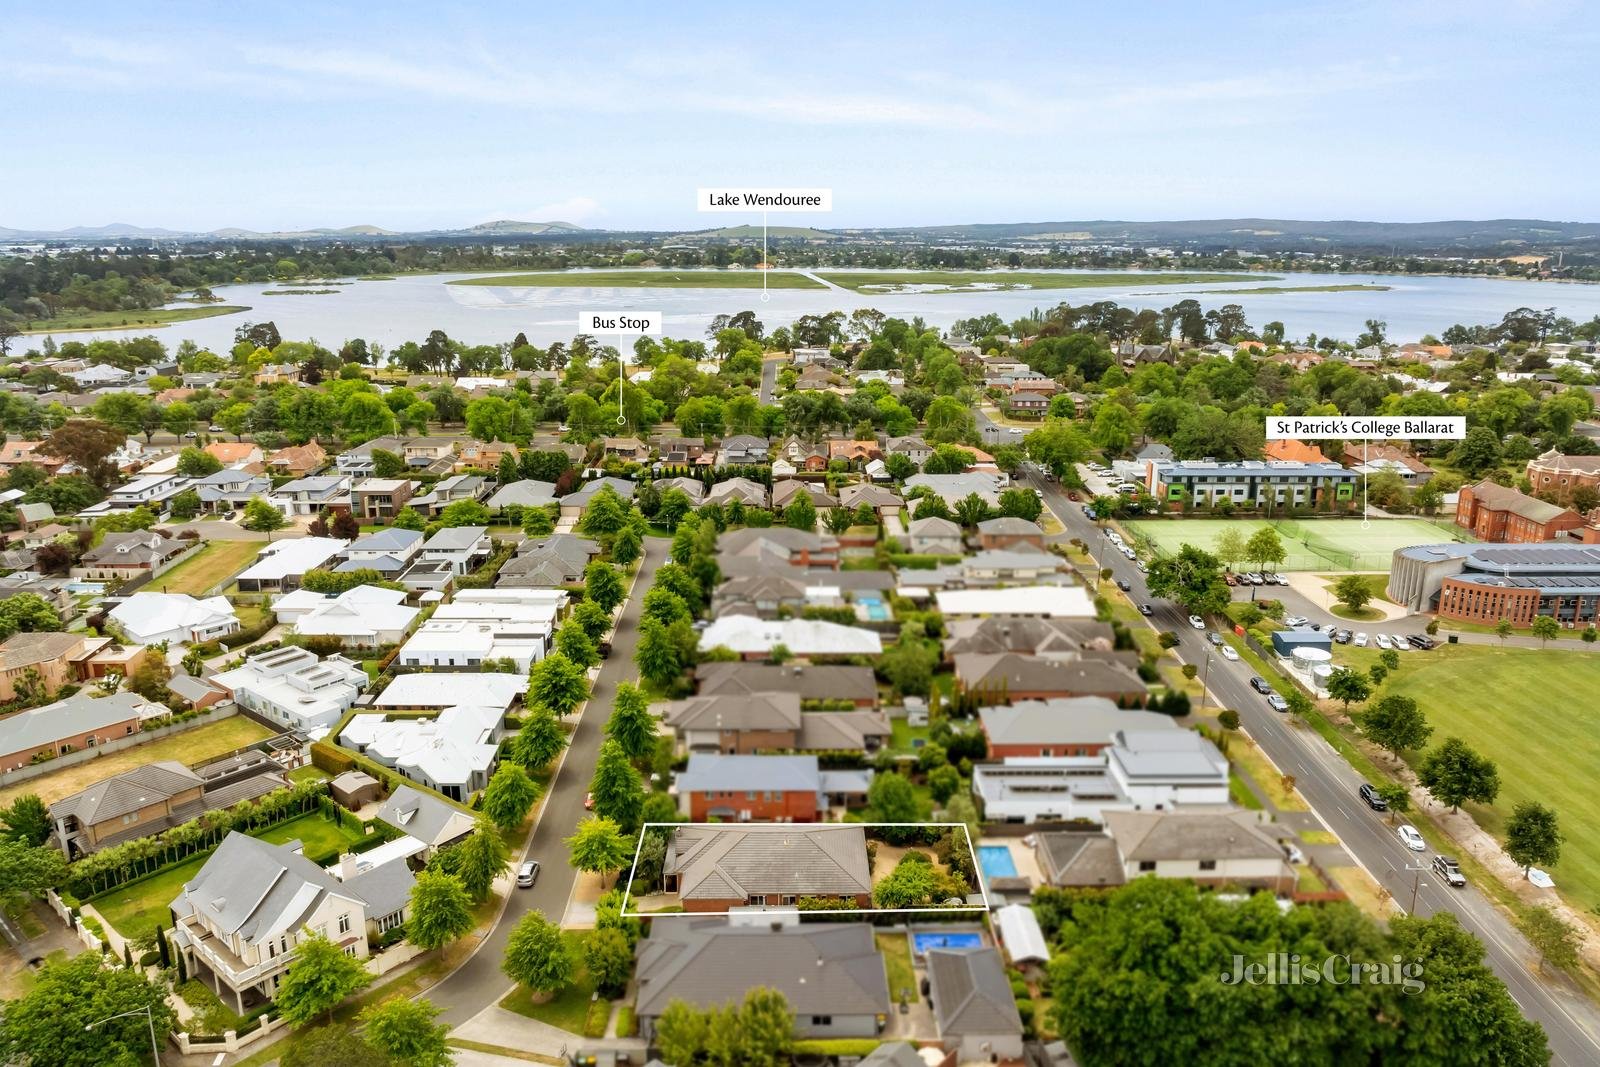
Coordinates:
(996, 861)
(877, 611)
(922, 942)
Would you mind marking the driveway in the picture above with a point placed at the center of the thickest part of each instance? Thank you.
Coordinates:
(479, 983)
(769, 378)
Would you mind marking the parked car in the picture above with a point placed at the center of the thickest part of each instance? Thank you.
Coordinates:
(1280, 579)
(1072, 494)
(1292, 853)
(527, 874)
(1229, 654)
(1342, 636)
(1295, 620)
(1259, 684)
(1230, 579)
(1369, 793)
(1361, 641)
(1382, 641)
(1449, 870)
(1197, 622)
(1409, 836)
(1422, 642)
(1277, 703)
(213, 429)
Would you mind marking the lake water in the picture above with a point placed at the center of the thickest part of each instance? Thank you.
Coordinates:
(407, 308)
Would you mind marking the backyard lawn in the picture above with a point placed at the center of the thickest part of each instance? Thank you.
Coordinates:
(214, 739)
(569, 1008)
(896, 950)
(217, 562)
(902, 735)
(1525, 708)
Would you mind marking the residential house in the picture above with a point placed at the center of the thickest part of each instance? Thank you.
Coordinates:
(97, 375)
(425, 817)
(79, 722)
(388, 551)
(784, 492)
(629, 449)
(197, 693)
(812, 682)
(463, 548)
(742, 449)
(755, 638)
(744, 788)
(245, 914)
(1293, 451)
(1222, 849)
(693, 488)
(1010, 676)
(815, 377)
(678, 451)
(573, 503)
(14, 454)
(830, 974)
(735, 723)
(235, 455)
(274, 373)
(124, 556)
(366, 616)
(527, 493)
(447, 492)
(453, 753)
(483, 455)
(741, 490)
(1071, 726)
(1374, 457)
(483, 625)
(435, 692)
(381, 499)
(298, 461)
(151, 491)
(177, 618)
(436, 455)
(999, 567)
(282, 565)
(953, 488)
(804, 455)
(357, 462)
(973, 1008)
(802, 357)
(311, 496)
(557, 560)
(781, 545)
(53, 657)
(854, 452)
(1502, 514)
(292, 687)
(229, 490)
(1028, 636)
(934, 536)
(886, 503)
(1027, 405)
(1009, 532)
(719, 868)
(1036, 601)
(915, 449)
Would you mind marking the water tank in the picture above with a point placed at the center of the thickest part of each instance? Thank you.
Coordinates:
(1309, 659)
(1321, 673)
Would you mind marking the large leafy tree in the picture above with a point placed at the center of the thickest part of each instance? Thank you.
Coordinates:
(49, 1025)
(1455, 774)
(1397, 724)
(510, 796)
(557, 683)
(540, 740)
(27, 820)
(599, 846)
(323, 1045)
(631, 725)
(1192, 578)
(320, 977)
(1348, 686)
(892, 798)
(617, 788)
(658, 656)
(28, 870)
(441, 910)
(537, 956)
(405, 1031)
(480, 859)
(609, 957)
(602, 586)
(1533, 836)
(27, 613)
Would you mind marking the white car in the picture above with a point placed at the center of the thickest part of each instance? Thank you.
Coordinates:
(1295, 620)
(1197, 622)
(1229, 654)
(1382, 641)
(1361, 640)
(1410, 838)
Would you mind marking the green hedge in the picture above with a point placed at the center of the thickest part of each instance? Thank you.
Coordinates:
(836, 1046)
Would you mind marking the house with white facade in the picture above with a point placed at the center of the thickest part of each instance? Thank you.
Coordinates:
(388, 551)
(176, 618)
(462, 548)
(755, 638)
(486, 624)
(282, 565)
(364, 617)
(435, 692)
(150, 490)
(290, 686)
(453, 753)
(310, 496)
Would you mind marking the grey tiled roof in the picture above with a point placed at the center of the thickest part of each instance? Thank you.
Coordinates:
(971, 994)
(123, 793)
(723, 862)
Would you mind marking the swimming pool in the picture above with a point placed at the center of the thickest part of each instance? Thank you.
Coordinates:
(877, 611)
(921, 942)
(996, 861)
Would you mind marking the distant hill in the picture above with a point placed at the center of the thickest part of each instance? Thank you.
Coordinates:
(747, 232)
(510, 226)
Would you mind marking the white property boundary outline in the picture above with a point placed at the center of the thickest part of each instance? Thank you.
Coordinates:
(977, 869)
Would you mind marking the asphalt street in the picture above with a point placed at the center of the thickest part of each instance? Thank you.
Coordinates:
(479, 983)
(1330, 786)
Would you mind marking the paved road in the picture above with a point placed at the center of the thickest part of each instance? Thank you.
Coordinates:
(769, 379)
(479, 982)
(1329, 785)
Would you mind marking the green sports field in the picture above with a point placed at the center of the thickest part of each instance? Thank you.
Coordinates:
(1311, 544)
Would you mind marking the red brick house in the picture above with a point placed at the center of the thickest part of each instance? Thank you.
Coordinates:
(1499, 513)
(742, 788)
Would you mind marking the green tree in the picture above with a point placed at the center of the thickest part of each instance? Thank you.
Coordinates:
(617, 788)
(1353, 592)
(540, 740)
(892, 799)
(1396, 797)
(602, 586)
(27, 820)
(28, 870)
(194, 463)
(573, 642)
(324, 1045)
(318, 980)
(1230, 547)
(1503, 629)
(1021, 504)
(681, 1032)
(631, 725)
(509, 796)
(1264, 548)
(557, 683)
(766, 1029)
(441, 910)
(1533, 836)
(609, 957)
(599, 846)
(1555, 939)
(594, 621)
(626, 546)
(27, 613)
(262, 517)
(1348, 687)
(1478, 451)
(1192, 578)
(64, 1019)
(1455, 774)
(481, 858)
(537, 955)
(406, 1032)
(657, 656)
(801, 514)
(1396, 723)
(943, 783)
(1545, 628)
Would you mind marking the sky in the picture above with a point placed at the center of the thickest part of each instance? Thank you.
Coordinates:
(418, 116)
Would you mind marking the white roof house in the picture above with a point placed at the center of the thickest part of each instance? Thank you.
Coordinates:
(453, 753)
(1020, 933)
(177, 618)
(291, 686)
(283, 564)
(435, 692)
(753, 637)
(485, 624)
(955, 487)
(1041, 601)
(363, 617)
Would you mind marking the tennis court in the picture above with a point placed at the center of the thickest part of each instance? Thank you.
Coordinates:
(1311, 544)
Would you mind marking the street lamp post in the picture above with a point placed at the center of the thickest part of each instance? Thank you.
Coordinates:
(1416, 883)
(1205, 679)
(150, 1017)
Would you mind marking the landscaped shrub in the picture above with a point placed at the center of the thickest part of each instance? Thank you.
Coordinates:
(328, 758)
(627, 1022)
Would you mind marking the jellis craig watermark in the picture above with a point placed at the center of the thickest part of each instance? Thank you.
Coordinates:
(1290, 968)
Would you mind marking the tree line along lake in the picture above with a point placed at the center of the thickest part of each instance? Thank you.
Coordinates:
(487, 309)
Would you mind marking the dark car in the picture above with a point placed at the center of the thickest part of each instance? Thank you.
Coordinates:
(1421, 641)
(1449, 870)
(1124, 585)
(1370, 795)
(1146, 609)
(1259, 684)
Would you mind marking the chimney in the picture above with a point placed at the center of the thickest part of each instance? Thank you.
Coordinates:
(347, 866)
